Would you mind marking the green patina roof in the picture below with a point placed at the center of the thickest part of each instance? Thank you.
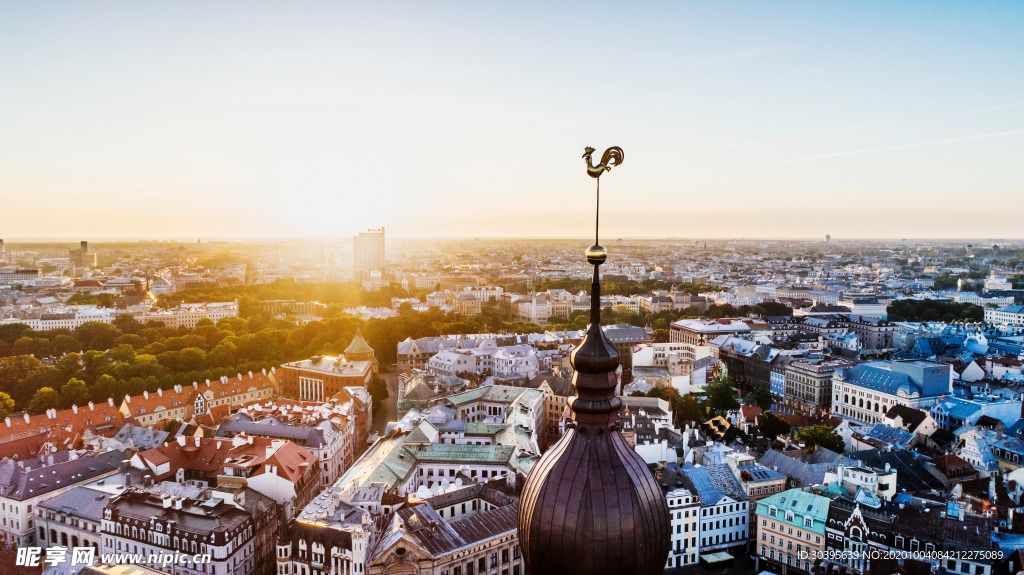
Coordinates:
(801, 503)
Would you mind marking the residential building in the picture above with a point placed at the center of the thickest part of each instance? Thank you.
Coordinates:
(724, 513)
(1009, 314)
(281, 470)
(211, 398)
(701, 331)
(326, 440)
(790, 530)
(874, 332)
(148, 523)
(684, 512)
(24, 484)
(478, 538)
(954, 412)
(330, 537)
(808, 384)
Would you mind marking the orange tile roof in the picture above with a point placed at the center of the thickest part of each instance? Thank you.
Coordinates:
(750, 412)
(180, 396)
(23, 448)
(210, 456)
(77, 419)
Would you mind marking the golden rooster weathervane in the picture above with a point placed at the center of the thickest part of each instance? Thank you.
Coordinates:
(613, 156)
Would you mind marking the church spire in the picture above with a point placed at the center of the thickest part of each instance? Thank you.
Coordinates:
(590, 506)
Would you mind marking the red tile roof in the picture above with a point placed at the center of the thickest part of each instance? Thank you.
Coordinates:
(76, 419)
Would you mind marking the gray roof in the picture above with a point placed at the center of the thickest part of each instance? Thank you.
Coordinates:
(141, 437)
(17, 483)
(306, 436)
(82, 502)
(802, 474)
(713, 482)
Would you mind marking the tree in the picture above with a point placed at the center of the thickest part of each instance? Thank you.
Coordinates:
(687, 409)
(761, 396)
(378, 389)
(74, 392)
(822, 435)
(103, 389)
(44, 399)
(771, 425)
(6, 405)
(721, 395)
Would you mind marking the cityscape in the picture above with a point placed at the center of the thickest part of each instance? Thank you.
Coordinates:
(311, 289)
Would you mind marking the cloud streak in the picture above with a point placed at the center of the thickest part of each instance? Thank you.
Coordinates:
(898, 147)
(828, 131)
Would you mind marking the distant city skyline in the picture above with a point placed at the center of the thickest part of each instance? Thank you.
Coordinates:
(755, 121)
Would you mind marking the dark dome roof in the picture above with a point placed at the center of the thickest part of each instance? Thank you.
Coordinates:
(591, 505)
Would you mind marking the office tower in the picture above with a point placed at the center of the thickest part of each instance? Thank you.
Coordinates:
(368, 253)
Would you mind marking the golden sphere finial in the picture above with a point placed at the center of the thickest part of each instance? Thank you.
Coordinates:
(596, 254)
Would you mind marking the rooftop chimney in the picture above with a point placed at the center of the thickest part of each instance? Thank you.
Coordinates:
(74, 408)
(110, 401)
(91, 407)
(165, 500)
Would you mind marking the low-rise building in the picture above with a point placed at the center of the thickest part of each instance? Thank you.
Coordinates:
(24, 484)
(478, 538)
(808, 386)
(1009, 314)
(865, 392)
(790, 530)
(148, 523)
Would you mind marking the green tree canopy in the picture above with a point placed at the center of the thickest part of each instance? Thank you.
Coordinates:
(821, 435)
(74, 392)
(761, 396)
(6, 405)
(721, 396)
(44, 399)
(771, 425)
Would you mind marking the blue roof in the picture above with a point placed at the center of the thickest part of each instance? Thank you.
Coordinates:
(890, 435)
(956, 408)
(714, 482)
(875, 376)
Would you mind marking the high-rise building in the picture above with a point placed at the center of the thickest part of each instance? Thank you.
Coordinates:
(81, 256)
(3, 252)
(368, 253)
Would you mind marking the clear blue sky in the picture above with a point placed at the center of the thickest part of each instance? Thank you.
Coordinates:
(754, 119)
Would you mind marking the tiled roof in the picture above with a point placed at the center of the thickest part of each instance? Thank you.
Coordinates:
(78, 420)
(32, 478)
(804, 474)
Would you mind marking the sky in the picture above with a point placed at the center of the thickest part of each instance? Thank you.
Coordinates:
(322, 119)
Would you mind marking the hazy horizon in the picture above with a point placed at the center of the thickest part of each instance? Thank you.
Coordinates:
(460, 120)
